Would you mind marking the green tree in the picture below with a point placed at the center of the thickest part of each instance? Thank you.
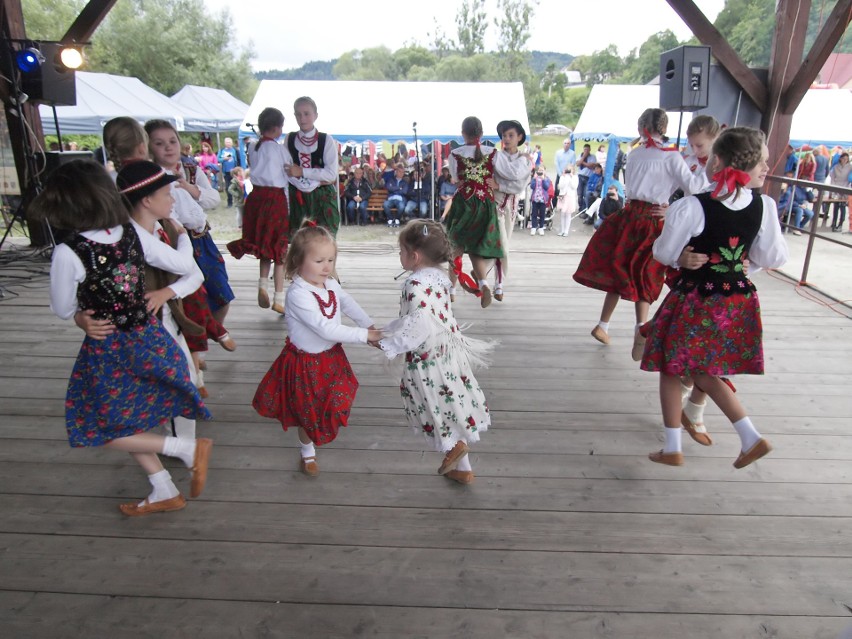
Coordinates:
(600, 66)
(49, 19)
(543, 109)
(376, 63)
(748, 25)
(471, 23)
(553, 80)
(513, 28)
(643, 65)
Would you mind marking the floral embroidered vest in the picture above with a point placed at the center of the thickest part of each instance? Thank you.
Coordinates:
(473, 177)
(726, 238)
(115, 279)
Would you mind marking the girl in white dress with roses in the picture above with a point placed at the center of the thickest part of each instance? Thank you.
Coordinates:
(441, 397)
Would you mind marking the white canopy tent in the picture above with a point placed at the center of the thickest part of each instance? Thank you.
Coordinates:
(218, 110)
(823, 118)
(102, 96)
(372, 111)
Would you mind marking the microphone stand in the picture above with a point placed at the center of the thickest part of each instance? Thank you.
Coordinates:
(419, 168)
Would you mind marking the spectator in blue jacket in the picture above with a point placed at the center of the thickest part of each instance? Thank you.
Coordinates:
(397, 186)
(228, 157)
(800, 197)
(419, 194)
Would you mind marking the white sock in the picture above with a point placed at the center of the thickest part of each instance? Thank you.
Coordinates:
(308, 450)
(604, 326)
(261, 283)
(673, 440)
(464, 463)
(199, 378)
(483, 283)
(185, 428)
(695, 414)
(685, 391)
(747, 432)
(183, 449)
(278, 298)
(163, 487)
(637, 327)
(452, 290)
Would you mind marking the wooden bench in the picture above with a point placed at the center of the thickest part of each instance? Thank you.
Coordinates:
(376, 203)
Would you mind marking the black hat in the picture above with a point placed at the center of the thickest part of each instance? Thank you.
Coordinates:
(139, 179)
(512, 124)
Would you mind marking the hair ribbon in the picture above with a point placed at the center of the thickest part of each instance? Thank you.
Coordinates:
(730, 178)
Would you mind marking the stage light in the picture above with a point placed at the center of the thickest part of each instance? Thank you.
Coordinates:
(29, 59)
(71, 57)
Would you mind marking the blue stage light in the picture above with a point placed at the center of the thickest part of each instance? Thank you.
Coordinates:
(29, 60)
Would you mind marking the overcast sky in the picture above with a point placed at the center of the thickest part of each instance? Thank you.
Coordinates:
(283, 40)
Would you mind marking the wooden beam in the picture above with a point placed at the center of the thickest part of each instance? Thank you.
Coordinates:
(89, 19)
(723, 52)
(830, 34)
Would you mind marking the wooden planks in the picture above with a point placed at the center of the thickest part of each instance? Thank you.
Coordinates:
(568, 531)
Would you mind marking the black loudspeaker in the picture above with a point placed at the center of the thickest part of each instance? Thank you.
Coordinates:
(685, 79)
(52, 82)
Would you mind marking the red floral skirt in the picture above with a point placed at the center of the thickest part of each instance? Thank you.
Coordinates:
(196, 308)
(311, 390)
(619, 257)
(714, 335)
(266, 225)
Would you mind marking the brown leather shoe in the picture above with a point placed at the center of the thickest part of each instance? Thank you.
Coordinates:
(134, 509)
(669, 459)
(309, 466)
(262, 298)
(485, 298)
(638, 346)
(600, 334)
(460, 476)
(202, 391)
(689, 427)
(203, 446)
(451, 459)
(761, 448)
(278, 308)
(227, 342)
(498, 294)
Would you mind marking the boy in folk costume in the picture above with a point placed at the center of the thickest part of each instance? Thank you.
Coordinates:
(312, 171)
(511, 171)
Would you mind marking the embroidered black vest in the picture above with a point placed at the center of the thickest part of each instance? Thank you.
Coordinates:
(115, 279)
(316, 157)
(726, 238)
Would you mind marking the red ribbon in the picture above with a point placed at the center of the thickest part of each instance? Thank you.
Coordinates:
(730, 178)
(300, 198)
(702, 161)
(310, 223)
(651, 143)
(163, 236)
(466, 280)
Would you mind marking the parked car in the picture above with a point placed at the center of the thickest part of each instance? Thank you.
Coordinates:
(554, 129)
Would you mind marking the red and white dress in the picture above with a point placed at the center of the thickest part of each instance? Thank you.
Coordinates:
(311, 384)
(618, 258)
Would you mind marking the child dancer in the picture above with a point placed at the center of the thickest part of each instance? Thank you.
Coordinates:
(311, 385)
(312, 168)
(511, 171)
(237, 191)
(136, 379)
(709, 324)
(618, 258)
(441, 397)
(266, 224)
(567, 200)
(472, 218)
(193, 194)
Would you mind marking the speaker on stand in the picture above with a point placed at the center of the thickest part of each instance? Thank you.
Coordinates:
(685, 80)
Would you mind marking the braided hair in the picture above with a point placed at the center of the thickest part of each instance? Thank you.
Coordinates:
(472, 128)
(654, 121)
(428, 238)
(739, 148)
(122, 138)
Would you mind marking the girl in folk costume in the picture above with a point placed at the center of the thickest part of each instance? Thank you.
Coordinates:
(191, 192)
(312, 167)
(472, 219)
(566, 201)
(311, 385)
(266, 224)
(512, 172)
(134, 380)
(709, 324)
(618, 258)
(442, 398)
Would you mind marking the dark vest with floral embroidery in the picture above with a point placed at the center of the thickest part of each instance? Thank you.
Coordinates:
(115, 279)
(726, 238)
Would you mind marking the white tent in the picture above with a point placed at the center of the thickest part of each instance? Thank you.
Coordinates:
(102, 96)
(219, 110)
(372, 111)
(823, 118)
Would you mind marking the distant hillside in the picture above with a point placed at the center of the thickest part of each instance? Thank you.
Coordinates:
(314, 70)
(323, 70)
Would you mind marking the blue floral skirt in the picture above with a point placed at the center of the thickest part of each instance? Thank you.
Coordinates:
(212, 264)
(131, 382)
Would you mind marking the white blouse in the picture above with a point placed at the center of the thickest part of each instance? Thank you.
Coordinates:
(685, 220)
(311, 331)
(67, 271)
(313, 177)
(512, 171)
(653, 175)
(466, 151)
(187, 210)
(267, 164)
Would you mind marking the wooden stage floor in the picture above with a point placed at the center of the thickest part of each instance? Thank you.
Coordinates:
(569, 531)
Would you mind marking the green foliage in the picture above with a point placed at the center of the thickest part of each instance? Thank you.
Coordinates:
(377, 63)
(748, 26)
(540, 60)
(49, 19)
(643, 65)
(471, 23)
(314, 70)
(542, 109)
(575, 100)
(601, 66)
(513, 33)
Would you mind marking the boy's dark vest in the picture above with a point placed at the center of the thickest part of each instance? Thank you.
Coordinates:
(156, 279)
(316, 157)
(726, 238)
